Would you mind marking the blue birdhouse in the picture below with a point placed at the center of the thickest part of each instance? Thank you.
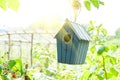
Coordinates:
(72, 43)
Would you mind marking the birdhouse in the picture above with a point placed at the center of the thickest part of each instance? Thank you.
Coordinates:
(72, 43)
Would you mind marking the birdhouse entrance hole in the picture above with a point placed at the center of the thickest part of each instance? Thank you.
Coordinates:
(67, 37)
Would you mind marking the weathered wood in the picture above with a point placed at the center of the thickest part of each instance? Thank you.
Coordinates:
(85, 50)
(64, 50)
(9, 46)
(76, 43)
(59, 48)
(26, 32)
(82, 51)
(72, 56)
(74, 51)
(31, 50)
(20, 49)
(69, 47)
(68, 53)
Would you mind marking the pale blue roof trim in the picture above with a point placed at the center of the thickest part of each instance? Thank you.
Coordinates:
(80, 31)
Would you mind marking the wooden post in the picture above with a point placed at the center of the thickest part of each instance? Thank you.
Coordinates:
(20, 50)
(9, 45)
(5, 47)
(32, 35)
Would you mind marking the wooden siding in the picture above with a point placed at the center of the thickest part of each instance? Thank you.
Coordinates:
(68, 45)
(85, 52)
(59, 48)
(83, 47)
(74, 51)
(67, 51)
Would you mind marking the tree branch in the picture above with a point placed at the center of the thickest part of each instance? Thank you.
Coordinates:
(104, 67)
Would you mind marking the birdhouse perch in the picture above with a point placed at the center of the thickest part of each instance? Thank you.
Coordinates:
(72, 43)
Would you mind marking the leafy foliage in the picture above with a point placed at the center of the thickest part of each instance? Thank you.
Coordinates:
(3, 4)
(11, 68)
(102, 63)
(11, 64)
(95, 3)
(12, 4)
(102, 49)
(87, 4)
(105, 51)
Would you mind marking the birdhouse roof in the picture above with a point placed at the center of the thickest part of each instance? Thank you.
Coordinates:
(79, 30)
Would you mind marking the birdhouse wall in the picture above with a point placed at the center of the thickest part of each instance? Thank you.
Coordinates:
(59, 48)
(74, 50)
(72, 44)
(67, 51)
(83, 47)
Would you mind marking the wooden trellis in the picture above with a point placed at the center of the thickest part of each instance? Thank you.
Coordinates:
(21, 38)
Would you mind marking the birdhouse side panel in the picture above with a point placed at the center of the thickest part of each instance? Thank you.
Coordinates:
(64, 52)
(68, 53)
(81, 51)
(59, 48)
(66, 44)
(85, 51)
(83, 47)
(69, 44)
(74, 49)
(79, 54)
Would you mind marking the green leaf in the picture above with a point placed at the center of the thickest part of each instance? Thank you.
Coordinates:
(92, 49)
(11, 64)
(90, 75)
(22, 72)
(95, 3)
(114, 72)
(113, 47)
(109, 75)
(91, 23)
(87, 4)
(0, 69)
(100, 77)
(91, 28)
(85, 75)
(3, 4)
(4, 77)
(13, 4)
(18, 64)
(100, 2)
(112, 59)
(48, 72)
(102, 49)
(104, 31)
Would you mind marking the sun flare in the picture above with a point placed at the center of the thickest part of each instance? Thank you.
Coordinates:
(35, 10)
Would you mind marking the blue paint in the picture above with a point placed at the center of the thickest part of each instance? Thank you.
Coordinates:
(86, 49)
(64, 50)
(69, 47)
(74, 51)
(82, 51)
(81, 45)
(59, 49)
(79, 49)
(75, 41)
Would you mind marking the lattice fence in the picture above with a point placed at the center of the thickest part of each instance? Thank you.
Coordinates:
(18, 41)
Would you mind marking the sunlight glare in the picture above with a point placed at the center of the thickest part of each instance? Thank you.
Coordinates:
(47, 10)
